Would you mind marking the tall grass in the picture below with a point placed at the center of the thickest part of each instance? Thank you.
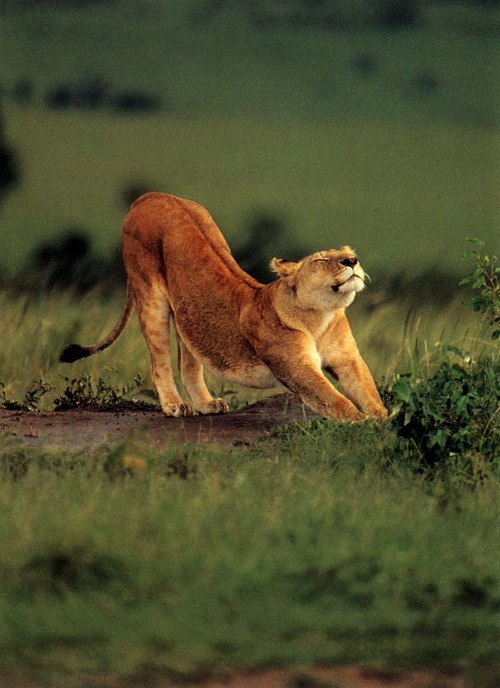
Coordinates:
(393, 337)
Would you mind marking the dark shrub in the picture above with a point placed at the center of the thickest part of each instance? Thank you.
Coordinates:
(425, 83)
(265, 232)
(69, 262)
(9, 164)
(22, 92)
(92, 94)
(365, 64)
(73, 568)
(133, 191)
(63, 263)
(60, 97)
(136, 102)
(268, 237)
(398, 14)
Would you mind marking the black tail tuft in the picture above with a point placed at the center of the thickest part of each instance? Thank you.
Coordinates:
(73, 352)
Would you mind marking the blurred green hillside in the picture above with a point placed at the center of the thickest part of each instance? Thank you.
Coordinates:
(346, 122)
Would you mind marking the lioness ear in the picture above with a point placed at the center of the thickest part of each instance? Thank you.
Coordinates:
(283, 267)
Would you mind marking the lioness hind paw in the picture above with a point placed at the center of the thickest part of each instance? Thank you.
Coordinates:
(179, 410)
(214, 406)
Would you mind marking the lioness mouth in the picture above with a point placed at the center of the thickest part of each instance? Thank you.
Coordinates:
(336, 287)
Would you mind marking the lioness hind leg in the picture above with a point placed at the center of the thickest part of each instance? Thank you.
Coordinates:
(192, 378)
(154, 316)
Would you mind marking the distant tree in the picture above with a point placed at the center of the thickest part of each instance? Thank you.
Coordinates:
(60, 97)
(365, 64)
(92, 94)
(133, 190)
(9, 164)
(397, 14)
(268, 237)
(22, 92)
(136, 102)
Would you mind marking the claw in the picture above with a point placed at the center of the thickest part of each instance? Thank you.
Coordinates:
(180, 410)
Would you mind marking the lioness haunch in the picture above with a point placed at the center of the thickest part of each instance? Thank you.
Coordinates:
(180, 270)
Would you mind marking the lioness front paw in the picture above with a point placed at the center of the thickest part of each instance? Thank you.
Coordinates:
(180, 410)
(378, 412)
(349, 413)
(214, 406)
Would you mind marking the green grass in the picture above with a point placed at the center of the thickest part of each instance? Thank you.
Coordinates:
(318, 546)
(404, 197)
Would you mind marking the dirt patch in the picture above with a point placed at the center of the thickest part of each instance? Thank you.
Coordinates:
(338, 677)
(81, 428)
(335, 677)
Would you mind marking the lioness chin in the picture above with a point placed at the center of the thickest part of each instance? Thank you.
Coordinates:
(180, 270)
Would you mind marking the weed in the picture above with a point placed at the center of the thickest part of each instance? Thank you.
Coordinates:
(75, 568)
(484, 281)
(32, 396)
(83, 392)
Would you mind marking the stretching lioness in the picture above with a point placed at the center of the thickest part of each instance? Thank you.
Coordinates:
(179, 264)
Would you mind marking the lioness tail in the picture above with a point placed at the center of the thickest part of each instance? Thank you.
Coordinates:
(74, 351)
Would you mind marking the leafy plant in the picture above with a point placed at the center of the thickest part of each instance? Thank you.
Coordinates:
(484, 281)
(452, 413)
(83, 392)
(31, 399)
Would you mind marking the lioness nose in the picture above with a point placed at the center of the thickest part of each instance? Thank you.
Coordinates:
(349, 262)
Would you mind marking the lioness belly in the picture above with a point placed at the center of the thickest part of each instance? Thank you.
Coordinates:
(230, 356)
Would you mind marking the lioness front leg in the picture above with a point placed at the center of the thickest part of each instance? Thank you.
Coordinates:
(357, 381)
(192, 378)
(341, 357)
(301, 373)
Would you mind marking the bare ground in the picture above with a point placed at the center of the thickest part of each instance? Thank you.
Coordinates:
(318, 677)
(80, 428)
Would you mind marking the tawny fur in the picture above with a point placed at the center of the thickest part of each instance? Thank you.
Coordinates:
(180, 270)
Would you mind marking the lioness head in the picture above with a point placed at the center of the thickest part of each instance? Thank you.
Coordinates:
(324, 280)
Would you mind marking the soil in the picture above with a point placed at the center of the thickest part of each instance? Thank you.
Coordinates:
(319, 677)
(81, 428)
(337, 677)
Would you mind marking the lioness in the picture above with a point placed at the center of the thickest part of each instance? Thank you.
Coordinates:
(180, 266)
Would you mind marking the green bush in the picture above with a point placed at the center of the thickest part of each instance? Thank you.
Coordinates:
(450, 414)
(484, 281)
(453, 413)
